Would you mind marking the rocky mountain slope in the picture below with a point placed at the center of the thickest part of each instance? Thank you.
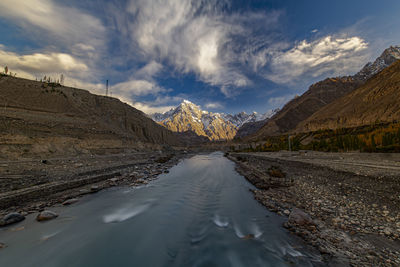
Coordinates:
(378, 100)
(42, 118)
(215, 126)
(252, 127)
(321, 94)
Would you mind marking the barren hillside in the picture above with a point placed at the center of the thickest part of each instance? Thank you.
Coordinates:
(44, 118)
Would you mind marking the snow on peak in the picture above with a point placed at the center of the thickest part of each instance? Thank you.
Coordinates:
(185, 101)
(197, 114)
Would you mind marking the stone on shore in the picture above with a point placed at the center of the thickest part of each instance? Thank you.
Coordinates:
(94, 189)
(11, 218)
(70, 201)
(299, 217)
(46, 215)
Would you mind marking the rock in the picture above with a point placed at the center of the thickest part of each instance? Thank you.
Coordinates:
(387, 231)
(286, 212)
(2, 245)
(11, 218)
(94, 188)
(46, 215)
(247, 237)
(70, 201)
(299, 217)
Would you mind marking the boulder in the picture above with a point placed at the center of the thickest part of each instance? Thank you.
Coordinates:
(299, 217)
(46, 215)
(70, 201)
(247, 237)
(2, 245)
(94, 189)
(11, 218)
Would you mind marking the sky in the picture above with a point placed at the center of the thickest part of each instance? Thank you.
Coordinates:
(226, 56)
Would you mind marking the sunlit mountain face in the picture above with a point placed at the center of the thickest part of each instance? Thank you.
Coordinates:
(226, 56)
(215, 126)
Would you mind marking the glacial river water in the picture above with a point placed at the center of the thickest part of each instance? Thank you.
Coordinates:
(200, 214)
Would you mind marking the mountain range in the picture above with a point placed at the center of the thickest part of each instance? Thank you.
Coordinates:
(320, 95)
(188, 116)
(377, 100)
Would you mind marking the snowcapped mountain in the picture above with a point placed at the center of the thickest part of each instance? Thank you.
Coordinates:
(388, 57)
(215, 126)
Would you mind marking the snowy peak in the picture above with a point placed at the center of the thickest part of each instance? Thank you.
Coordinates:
(387, 58)
(188, 116)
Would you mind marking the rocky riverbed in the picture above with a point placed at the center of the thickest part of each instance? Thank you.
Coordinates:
(30, 186)
(351, 215)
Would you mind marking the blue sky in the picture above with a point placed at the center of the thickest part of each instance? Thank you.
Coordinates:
(226, 56)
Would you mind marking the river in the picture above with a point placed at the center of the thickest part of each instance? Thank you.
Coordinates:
(199, 214)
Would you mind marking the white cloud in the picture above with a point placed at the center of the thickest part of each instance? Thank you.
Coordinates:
(213, 105)
(194, 36)
(40, 64)
(333, 55)
(64, 25)
(137, 88)
(278, 102)
(151, 109)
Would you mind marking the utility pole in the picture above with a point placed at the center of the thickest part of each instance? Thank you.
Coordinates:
(290, 148)
(107, 88)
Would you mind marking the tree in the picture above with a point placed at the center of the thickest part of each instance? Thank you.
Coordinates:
(62, 79)
(5, 70)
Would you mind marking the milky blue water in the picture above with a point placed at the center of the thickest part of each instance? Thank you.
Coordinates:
(200, 214)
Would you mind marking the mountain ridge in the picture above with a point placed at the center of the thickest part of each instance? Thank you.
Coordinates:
(376, 100)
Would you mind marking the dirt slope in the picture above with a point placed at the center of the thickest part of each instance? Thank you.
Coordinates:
(38, 117)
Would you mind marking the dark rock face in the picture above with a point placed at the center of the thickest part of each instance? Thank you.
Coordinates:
(46, 215)
(11, 218)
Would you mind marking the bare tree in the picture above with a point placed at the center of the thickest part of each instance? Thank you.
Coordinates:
(62, 79)
(5, 70)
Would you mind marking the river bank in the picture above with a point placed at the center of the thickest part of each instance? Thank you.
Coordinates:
(29, 186)
(353, 206)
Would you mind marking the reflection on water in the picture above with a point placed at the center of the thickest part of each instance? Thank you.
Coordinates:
(199, 214)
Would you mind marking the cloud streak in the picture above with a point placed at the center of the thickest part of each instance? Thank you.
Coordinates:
(194, 37)
(333, 55)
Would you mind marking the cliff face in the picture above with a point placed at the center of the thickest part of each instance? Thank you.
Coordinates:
(72, 119)
(376, 100)
(321, 94)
